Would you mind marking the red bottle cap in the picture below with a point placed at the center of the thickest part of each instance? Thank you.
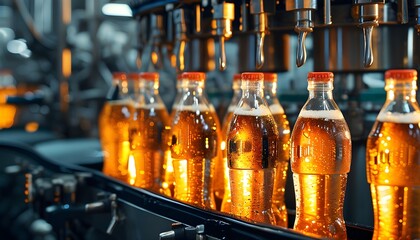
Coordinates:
(150, 76)
(133, 76)
(194, 76)
(237, 77)
(402, 74)
(270, 77)
(119, 75)
(320, 76)
(179, 77)
(252, 76)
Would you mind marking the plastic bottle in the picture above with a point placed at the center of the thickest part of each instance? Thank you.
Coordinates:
(194, 144)
(252, 151)
(168, 179)
(178, 95)
(320, 161)
(283, 151)
(393, 160)
(218, 176)
(237, 94)
(114, 121)
(147, 131)
(133, 85)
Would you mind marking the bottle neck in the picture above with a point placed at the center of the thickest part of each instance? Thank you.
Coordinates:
(150, 87)
(270, 89)
(193, 95)
(179, 86)
(320, 89)
(320, 96)
(252, 89)
(195, 88)
(237, 94)
(119, 90)
(400, 98)
(401, 91)
(123, 87)
(236, 85)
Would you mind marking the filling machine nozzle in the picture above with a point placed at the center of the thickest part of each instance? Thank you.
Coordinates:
(156, 40)
(304, 24)
(180, 37)
(260, 9)
(368, 14)
(224, 14)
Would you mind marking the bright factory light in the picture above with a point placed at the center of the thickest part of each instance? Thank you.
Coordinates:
(117, 9)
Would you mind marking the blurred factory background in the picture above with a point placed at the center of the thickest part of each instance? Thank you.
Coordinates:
(64, 52)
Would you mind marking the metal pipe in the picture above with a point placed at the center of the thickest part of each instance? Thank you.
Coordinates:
(260, 10)
(327, 12)
(180, 38)
(368, 18)
(224, 14)
(156, 41)
(304, 24)
(368, 52)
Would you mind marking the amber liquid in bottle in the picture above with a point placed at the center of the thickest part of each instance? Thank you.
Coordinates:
(194, 150)
(321, 152)
(226, 202)
(168, 178)
(283, 149)
(114, 135)
(223, 169)
(7, 111)
(148, 138)
(251, 152)
(393, 160)
(393, 151)
(320, 161)
(194, 144)
(218, 174)
(148, 145)
(283, 158)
